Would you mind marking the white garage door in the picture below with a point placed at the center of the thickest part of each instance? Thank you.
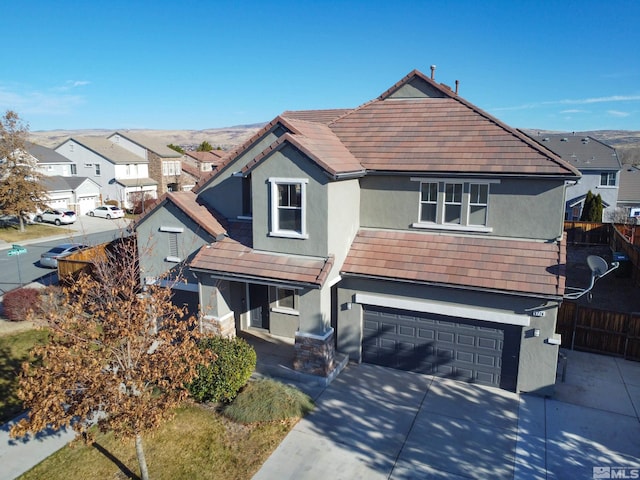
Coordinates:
(86, 204)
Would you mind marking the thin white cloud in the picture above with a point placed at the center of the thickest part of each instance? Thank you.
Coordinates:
(70, 85)
(573, 110)
(35, 102)
(618, 113)
(568, 101)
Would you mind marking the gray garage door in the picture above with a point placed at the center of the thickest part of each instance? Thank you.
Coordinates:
(463, 349)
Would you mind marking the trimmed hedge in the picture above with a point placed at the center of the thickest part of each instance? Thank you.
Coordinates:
(19, 302)
(222, 379)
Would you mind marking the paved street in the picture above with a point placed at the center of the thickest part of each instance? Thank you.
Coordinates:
(23, 269)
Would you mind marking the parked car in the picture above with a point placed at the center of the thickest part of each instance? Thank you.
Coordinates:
(107, 211)
(56, 216)
(50, 258)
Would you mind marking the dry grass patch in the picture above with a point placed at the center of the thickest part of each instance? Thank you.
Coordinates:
(198, 443)
(12, 233)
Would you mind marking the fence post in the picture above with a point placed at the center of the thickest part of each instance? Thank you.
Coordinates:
(575, 324)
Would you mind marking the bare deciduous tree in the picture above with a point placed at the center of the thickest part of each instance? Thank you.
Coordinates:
(21, 188)
(118, 357)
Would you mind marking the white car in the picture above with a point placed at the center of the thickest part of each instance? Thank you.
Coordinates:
(56, 216)
(107, 211)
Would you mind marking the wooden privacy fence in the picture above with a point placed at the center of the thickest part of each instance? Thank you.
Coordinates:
(590, 233)
(599, 331)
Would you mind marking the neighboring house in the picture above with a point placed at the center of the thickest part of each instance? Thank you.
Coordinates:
(66, 190)
(79, 194)
(122, 175)
(164, 163)
(600, 168)
(205, 161)
(415, 231)
(629, 193)
(50, 162)
(190, 176)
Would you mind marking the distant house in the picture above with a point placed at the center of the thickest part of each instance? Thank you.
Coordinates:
(165, 164)
(122, 175)
(600, 168)
(205, 161)
(66, 189)
(79, 194)
(415, 231)
(629, 193)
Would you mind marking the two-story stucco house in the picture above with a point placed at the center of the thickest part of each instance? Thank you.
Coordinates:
(600, 168)
(415, 231)
(164, 163)
(122, 175)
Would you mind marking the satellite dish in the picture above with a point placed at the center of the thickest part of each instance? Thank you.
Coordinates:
(598, 265)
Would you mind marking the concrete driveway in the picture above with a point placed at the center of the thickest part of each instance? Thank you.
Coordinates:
(373, 422)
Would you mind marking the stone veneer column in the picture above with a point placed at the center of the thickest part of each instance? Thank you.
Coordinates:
(314, 354)
(219, 326)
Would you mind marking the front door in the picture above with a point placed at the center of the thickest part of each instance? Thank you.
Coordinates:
(259, 306)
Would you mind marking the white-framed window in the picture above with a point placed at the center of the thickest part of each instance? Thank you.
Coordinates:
(478, 203)
(74, 169)
(608, 179)
(288, 207)
(171, 168)
(454, 204)
(429, 202)
(97, 167)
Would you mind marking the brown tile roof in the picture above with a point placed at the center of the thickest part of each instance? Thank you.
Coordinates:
(234, 257)
(516, 266)
(213, 156)
(318, 143)
(440, 135)
(187, 202)
(317, 116)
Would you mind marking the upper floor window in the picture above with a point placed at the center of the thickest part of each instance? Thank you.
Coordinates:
(446, 204)
(478, 203)
(171, 168)
(74, 169)
(97, 167)
(608, 179)
(288, 207)
(428, 201)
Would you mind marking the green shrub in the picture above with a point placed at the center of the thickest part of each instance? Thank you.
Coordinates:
(221, 380)
(268, 400)
(19, 302)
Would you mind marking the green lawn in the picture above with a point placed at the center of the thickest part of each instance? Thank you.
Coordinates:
(14, 349)
(198, 443)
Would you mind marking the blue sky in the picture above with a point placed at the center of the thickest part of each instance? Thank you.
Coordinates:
(557, 65)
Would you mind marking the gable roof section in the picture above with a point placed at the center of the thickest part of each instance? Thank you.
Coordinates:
(45, 155)
(187, 202)
(440, 133)
(317, 142)
(58, 183)
(583, 152)
(510, 266)
(152, 144)
(108, 150)
(629, 189)
(317, 116)
(233, 257)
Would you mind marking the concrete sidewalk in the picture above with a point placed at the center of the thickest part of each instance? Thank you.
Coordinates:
(373, 422)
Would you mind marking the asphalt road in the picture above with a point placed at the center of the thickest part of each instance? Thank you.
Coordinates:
(25, 268)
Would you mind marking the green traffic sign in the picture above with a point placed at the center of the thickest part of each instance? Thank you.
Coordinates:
(16, 250)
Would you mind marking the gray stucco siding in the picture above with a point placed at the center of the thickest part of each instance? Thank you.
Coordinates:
(344, 212)
(537, 361)
(224, 192)
(521, 208)
(154, 243)
(289, 163)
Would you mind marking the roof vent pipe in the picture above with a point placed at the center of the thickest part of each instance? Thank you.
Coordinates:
(433, 72)
(457, 85)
